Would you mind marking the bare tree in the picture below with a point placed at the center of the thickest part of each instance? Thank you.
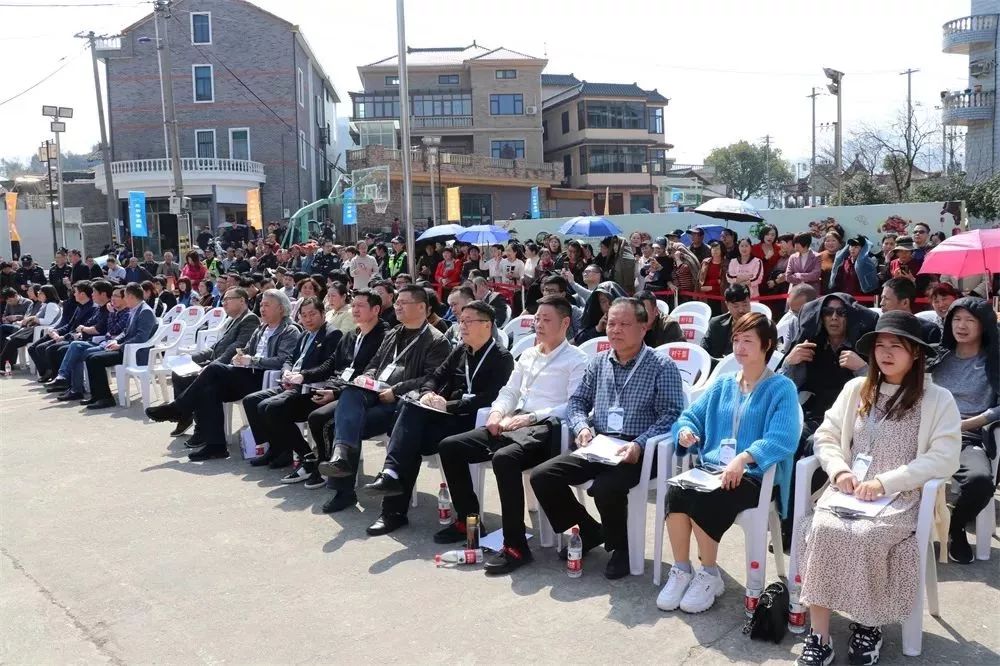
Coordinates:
(895, 148)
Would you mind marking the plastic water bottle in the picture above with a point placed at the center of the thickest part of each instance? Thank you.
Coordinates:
(796, 611)
(444, 505)
(467, 556)
(755, 587)
(6, 369)
(574, 554)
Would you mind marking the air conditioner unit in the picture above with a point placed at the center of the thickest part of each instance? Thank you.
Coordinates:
(530, 110)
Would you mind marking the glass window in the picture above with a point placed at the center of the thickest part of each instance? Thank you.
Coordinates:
(616, 115)
(300, 95)
(447, 104)
(580, 116)
(204, 143)
(565, 122)
(201, 28)
(567, 165)
(392, 80)
(583, 159)
(204, 91)
(506, 73)
(239, 144)
(376, 106)
(377, 134)
(507, 149)
(476, 208)
(614, 159)
(654, 119)
(506, 105)
(640, 203)
(448, 79)
(302, 149)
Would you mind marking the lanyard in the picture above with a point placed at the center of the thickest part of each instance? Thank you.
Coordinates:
(399, 354)
(468, 379)
(743, 401)
(614, 383)
(357, 345)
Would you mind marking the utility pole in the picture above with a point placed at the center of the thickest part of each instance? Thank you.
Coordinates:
(161, 11)
(404, 127)
(836, 88)
(46, 156)
(767, 167)
(812, 161)
(112, 197)
(909, 116)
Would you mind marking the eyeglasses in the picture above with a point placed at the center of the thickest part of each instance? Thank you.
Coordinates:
(402, 303)
(467, 322)
(919, 231)
(840, 312)
(232, 298)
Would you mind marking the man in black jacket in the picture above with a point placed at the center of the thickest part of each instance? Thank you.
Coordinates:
(481, 290)
(718, 340)
(60, 275)
(409, 353)
(272, 413)
(28, 274)
(47, 353)
(79, 270)
(469, 379)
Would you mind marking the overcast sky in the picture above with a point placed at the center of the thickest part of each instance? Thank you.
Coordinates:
(733, 69)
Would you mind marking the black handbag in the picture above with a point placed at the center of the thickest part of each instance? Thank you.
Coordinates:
(770, 619)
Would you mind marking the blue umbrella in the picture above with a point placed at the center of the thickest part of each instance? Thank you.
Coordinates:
(483, 234)
(593, 226)
(713, 232)
(440, 231)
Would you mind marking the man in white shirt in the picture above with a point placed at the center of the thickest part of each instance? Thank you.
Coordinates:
(362, 267)
(522, 431)
(116, 274)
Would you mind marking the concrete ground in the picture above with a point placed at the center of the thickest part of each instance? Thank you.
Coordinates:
(116, 549)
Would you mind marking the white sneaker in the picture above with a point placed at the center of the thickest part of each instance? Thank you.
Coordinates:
(670, 596)
(702, 592)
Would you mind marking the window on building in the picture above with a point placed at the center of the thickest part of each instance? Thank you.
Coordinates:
(201, 28)
(658, 161)
(204, 141)
(447, 79)
(445, 104)
(507, 149)
(476, 208)
(507, 105)
(616, 115)
(381, 106)
(565, 122)
(580, 116)
(377, 134)
(204, 88)
(300, 94)
(239, 143)
(613, 159)
(583, 160)
(392, 80)
(302, 149)
(506, 73)
(567, 165)
(654, 119)
(545, 130)
(319, 117)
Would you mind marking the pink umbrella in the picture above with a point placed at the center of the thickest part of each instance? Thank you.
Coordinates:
(971, 253)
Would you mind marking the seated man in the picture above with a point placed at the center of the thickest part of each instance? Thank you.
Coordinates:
(47, 352)
(798, 296)
(387, 292)
(142, 325)
(72, 369)
(271, 348)
(660, 328)
(522, 431)
(235, 334)
(556, 285)
(630, 393)
(272, 413)
(469, 379)
(968, 366)
(481, 290)
(718, 341)
(900, 293)
(408, 355)
(353, 354)
(457, 299)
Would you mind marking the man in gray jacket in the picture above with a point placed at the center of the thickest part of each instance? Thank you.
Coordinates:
(271, 347)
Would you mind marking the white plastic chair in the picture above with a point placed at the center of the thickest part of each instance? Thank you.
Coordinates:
(519, 327)
(502, 338)
(662, 307)
(693, 362)
(435, 462)
(928, 315)
(696, 307)
(595, 346)
(207, 331)
(522, 345)
(761, 308)
(163, 343)
(927, 571)
(986, 520)
(690, 318)
(775, 360)
(694, 333)
(171, 314)
(877, 311)
(783, 326)
(192, 316)
(23, 357)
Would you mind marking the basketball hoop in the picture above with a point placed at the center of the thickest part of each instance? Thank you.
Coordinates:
(381, 205)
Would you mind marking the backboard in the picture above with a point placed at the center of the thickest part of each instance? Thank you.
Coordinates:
(371, 186)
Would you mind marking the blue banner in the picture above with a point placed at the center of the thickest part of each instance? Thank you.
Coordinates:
(137, 214)
(350, 208)
(676, 196)
(536, 211)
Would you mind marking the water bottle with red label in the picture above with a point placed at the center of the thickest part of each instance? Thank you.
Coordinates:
(444, 505)
(796, 610)
(755, 587)
(467, 556)
(574, 555)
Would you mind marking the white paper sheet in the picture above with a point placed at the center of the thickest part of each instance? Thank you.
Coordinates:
(494, 540)
(697, 478)
(602, 449)
(838, 500)
(182, 365)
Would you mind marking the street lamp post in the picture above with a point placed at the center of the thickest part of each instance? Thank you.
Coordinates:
(45, 155)
(431, 143)
(58, 127)
(836, 88)
(404, 130)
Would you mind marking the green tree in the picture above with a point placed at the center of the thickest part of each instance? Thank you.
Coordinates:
(982, 200)
(863, 190)
(743, 167)
(13, 167)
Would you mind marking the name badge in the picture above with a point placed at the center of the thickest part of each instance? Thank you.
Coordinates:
(727, 451)
(860, 467)
(346, 374)
(387, 372)
(616, 419)
(468, 396)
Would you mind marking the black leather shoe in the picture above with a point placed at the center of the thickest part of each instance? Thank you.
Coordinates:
(264, 460)
(507, 560)
(87, 402)
(68, 395)
(617, 566)
(182, 426)
(340, 464)
(195, 440)
(959, 549)
(387, 522)
(103, 403)
(342, 500)
(57, 386)
(208, 452)
(45, 378)
(282, 459)
(451, 534)
(384, 486)
(165, 412)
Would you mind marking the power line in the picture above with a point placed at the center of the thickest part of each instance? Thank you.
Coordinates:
(68, 60)
(33, 5)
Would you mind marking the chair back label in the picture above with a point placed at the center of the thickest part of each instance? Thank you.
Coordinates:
(177, 327)
(603, 345)
(685, 319)
(193, 311)
(527, 322)
(678, 354)
(689, 333)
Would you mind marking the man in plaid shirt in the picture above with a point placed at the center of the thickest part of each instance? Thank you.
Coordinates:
(628, 393)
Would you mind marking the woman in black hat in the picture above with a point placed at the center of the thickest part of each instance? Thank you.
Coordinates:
(887, 434)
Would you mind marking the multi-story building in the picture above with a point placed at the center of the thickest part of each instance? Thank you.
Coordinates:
(976, 36)
(254, 110)
(610, 139)
(481, 110)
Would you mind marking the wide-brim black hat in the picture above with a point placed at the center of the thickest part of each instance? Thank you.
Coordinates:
(898, 323)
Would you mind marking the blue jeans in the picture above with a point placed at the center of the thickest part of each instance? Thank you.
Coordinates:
(72, 367)
(360, 414)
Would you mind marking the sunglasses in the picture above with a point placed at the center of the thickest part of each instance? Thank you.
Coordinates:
(840, 312)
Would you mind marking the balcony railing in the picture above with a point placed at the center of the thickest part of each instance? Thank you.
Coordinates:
(440, 122)
(198, 164)
(455, 163)
(963, 32)
(961, 108)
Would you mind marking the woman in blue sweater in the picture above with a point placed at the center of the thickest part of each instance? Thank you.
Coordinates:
(744, 423)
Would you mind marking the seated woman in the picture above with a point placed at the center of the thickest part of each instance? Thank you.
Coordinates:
(887, 433)
(338, 308)
(745, 422)
(44, 311)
